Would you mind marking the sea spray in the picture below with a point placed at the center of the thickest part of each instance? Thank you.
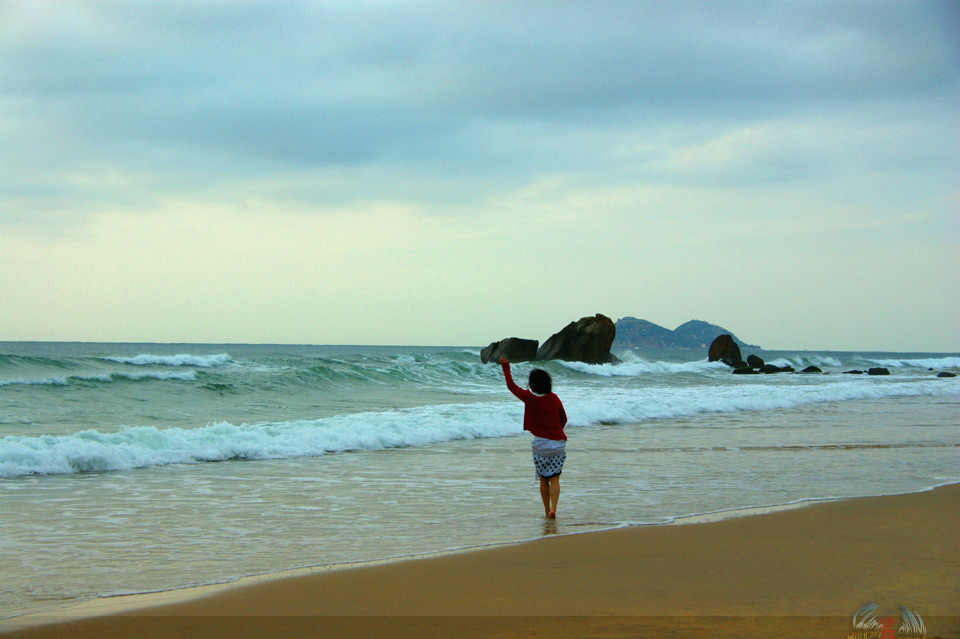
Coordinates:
(640, 367)
(924, 363)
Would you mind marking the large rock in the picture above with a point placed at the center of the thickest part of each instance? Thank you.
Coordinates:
(879, 370)
(724, 349)
(513, 349)
(586, 340)
(754, 362)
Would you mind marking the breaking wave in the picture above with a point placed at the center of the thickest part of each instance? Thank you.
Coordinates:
(924, 363)
(822, 361)
(642, 367)
(139, 447)
(184, 359)
(104, 378)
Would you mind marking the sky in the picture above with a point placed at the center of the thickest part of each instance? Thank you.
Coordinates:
(453, 173)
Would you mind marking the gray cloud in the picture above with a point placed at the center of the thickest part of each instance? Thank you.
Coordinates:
(184, 95)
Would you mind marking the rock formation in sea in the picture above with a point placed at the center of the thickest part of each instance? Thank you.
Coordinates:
(724, 349)
(513, 349)
(587, 340)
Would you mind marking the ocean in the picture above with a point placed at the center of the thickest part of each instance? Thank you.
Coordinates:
(128, 468)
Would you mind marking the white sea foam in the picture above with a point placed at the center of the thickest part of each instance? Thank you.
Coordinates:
(183, 359)
(800, 362)
(935, 363)
(141, 447)
(147, 446)
(824, 360)
(626, 406)
(46, 381)
(783, 361)
(185, 376)
(105, 378)
(639, 367)
(816, 360)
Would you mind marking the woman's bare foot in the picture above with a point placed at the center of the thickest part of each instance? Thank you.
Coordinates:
(552, 515)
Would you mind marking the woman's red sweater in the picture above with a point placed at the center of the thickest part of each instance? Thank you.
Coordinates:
(543, 415)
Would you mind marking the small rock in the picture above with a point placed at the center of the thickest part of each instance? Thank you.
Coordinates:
(878, 371)
(946, 374)
(853, 372)
(754, 362)
(745, 370)
(769, 369)
(811, 369)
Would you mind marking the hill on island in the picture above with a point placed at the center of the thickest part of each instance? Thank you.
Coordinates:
(639, 333)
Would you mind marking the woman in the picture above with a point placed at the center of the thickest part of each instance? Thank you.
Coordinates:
(544, 417)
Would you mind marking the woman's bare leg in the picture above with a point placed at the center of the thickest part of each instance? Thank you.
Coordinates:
(554, 496)
(545, 495)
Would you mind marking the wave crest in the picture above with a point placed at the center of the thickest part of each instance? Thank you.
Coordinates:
(924, 363)
(183, 359)
(141, 447)
(639, 367)
(104, 378)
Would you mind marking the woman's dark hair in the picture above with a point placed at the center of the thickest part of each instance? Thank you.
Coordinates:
(540, 382)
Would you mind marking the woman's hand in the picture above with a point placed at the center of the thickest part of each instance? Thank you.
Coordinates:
(503, 360)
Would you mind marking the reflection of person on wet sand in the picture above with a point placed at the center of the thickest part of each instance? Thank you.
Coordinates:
(544, 417)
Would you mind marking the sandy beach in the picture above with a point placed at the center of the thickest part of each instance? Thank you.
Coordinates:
(796, 573)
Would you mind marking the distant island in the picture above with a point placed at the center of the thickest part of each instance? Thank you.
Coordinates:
(639, 333)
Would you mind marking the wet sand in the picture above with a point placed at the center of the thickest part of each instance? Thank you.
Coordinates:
(796, 573)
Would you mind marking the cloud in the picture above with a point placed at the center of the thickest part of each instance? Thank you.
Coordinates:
(338, 83)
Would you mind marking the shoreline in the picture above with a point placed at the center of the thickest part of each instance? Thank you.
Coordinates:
(208, 599)
(132, 602)
(125, 602)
